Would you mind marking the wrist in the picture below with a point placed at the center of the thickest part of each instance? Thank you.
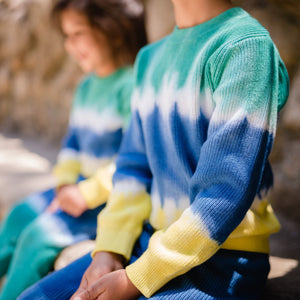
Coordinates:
(132, 290)
(100, 255)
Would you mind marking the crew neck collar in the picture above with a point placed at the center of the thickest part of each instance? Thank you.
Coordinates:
(212, 23)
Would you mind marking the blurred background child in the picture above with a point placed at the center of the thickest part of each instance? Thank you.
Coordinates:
(103, 37)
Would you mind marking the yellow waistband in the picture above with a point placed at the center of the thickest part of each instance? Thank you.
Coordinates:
(259, 243)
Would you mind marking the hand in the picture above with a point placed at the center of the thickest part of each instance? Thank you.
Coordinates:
(54, 205)
(115, 285)
(102, 264)
(70, 200)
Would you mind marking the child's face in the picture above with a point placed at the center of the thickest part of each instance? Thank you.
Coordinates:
(86, 45)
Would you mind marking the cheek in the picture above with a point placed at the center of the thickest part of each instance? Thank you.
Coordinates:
(89, 47)
(71, 48)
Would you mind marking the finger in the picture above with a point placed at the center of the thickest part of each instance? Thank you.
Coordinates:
(53, 207)
(77, 293)
(92, 293)
(71, 211)
(82, 287)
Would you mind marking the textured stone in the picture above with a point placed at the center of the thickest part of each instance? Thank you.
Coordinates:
(36, 75)
(73, 252)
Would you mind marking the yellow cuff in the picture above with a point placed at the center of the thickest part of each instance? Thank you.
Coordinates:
(66, 172)
(93, 193)
(121, 221)
(119, 242)
(97, 188)
(66, 179)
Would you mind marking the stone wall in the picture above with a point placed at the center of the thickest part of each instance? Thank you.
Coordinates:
(37, 78)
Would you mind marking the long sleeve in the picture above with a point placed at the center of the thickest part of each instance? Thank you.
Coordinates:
(246, 95)
(120, 223)
(96, 189)
(68, 164)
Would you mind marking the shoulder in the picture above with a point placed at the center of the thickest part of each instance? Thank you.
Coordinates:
(84, 83)
(242, 25)
(240, 34)
(123, 83)
(126, 76)
(149, 51)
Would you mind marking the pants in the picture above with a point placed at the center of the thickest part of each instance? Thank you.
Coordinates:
(30, 240)
(227, 275)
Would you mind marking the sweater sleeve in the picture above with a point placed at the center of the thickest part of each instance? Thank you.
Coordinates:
(125, 105)
(68, 165)
(96, 189)
(120, 222)
(247, 89)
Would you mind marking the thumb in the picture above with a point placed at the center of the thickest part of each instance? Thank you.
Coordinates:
(83, 296)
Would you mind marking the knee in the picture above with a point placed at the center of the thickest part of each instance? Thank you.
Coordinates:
(33, 237)
(23, 213)
(17, 211)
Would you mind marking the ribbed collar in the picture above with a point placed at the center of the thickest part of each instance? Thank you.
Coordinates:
(106, 80)
(210, 25)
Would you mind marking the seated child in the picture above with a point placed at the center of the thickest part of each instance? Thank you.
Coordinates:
(103, 37)
(186, 218)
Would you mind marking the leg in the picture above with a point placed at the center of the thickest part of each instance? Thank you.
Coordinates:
(19, 217)
(227, 275)
(61, 284)
(39, 245)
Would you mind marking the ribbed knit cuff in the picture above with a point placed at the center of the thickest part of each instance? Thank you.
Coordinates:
(119, 242)
(93, 192)
(64, 179)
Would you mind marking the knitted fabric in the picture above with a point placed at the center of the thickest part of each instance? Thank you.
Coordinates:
(227, 275)
(30, 239)
(195, 157)
(100, 111)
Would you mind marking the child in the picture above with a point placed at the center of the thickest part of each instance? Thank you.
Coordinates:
(194, 162)
(104, 38)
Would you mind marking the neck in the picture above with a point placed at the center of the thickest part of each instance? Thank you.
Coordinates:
(189, 13)
(106, 70)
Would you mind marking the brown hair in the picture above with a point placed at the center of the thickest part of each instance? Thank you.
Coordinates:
(121, 21)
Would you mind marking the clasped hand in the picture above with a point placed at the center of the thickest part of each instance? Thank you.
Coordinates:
(70, 200)
(106, 279)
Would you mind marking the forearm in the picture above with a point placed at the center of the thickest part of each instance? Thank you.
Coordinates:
(66, 172)
(121, 221)
(96, 189)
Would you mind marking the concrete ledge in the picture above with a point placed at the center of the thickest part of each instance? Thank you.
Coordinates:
(71, 253)
(284, 280)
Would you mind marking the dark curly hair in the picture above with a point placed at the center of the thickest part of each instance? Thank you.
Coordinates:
(121, 21)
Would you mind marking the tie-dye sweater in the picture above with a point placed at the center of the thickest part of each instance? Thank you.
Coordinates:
(195, 158)
(99, 114)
